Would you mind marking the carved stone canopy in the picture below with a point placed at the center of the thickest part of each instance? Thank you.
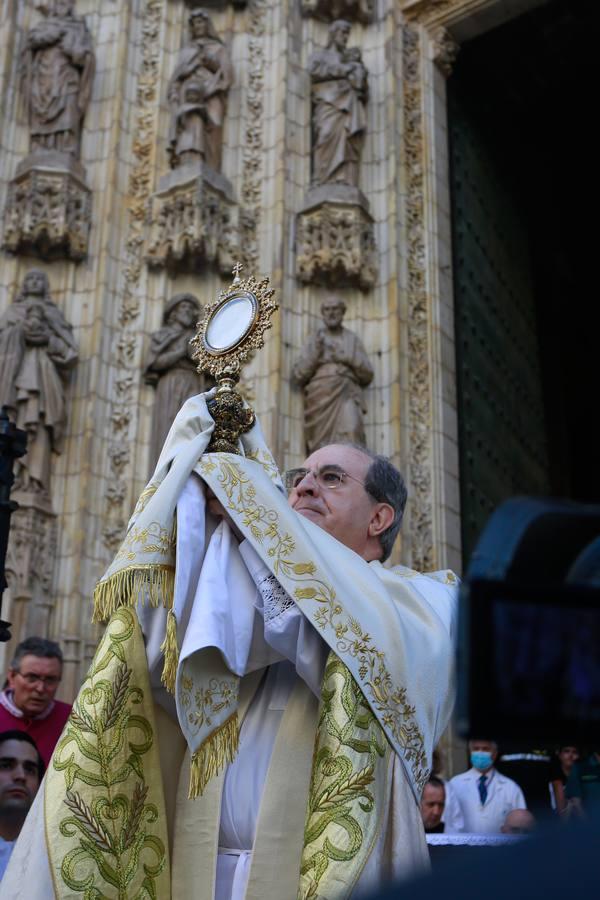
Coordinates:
(48, 208)
(194, 221)
(215, 4)
(330, 10)
(335, 239)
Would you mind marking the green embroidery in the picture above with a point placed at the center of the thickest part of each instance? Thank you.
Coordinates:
(350, 745)
(113, 819)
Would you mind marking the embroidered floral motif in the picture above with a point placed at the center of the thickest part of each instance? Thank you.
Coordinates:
(349, 762)
(264, 459)
(119, 851)
(152, 539)
(148, 492)
(203, 703)
(389, 701)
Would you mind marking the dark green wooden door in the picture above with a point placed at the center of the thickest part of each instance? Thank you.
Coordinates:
(503, 448)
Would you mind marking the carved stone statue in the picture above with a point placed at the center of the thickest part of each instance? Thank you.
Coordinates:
(197, 94)
(327, 10)
(339, 95)
(170, 368)
(37, 349)
(57, 73)
(333, 369)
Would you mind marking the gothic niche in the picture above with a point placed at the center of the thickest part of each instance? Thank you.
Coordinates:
(335, 241)
(170, 368)
(37, 352)
(216, 4)
(329, 10)
(194, 216)
(333, 368)
(48, 208)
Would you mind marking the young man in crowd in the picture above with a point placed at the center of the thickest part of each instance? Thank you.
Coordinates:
(433, 801)
(21, 771)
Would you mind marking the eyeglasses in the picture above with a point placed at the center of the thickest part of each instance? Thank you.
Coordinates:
(329, 477)
(47, 680)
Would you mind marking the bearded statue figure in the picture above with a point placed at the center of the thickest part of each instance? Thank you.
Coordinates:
(339, 95)
(197, 94)
(333, 369)
(37, 350)
(57, 74)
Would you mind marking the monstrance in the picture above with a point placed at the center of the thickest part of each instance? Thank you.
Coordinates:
(230, 329)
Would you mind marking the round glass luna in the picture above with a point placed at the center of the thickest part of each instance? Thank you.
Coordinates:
(231, 322)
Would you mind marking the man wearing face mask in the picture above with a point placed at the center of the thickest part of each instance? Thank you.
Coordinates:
(483, 795)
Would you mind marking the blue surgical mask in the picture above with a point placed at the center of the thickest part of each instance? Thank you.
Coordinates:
(481, 759)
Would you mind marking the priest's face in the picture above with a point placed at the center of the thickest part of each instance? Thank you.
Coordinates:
(345, 510)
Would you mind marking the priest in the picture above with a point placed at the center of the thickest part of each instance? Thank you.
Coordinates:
(259, 718)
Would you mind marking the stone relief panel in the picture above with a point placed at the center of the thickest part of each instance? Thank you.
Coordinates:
(169, 366)
(49, 204)
(333, 369)
(194, 218)
(37, 352)
(335, 240)
(329, 10)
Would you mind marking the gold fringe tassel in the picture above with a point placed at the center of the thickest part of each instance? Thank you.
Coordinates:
(214, 753)
(133, 584)
(170, 651)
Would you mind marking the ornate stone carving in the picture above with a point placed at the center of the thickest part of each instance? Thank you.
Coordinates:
(57, 73)
(197, 95)
(37, 350)
(419, 376)
(333, 369)
(329, 10)
(170, 368)
(48, 205)
(30, 559)
(194, 221)
(335, 239)
(127, 346)
(339, 95)
(445, 50)
(251, 191)
(48, 208)
(194, 217)
(216, 4)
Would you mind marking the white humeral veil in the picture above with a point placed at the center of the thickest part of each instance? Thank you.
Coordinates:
(239, 610)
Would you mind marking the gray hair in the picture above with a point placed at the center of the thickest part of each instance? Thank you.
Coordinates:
(36, 646)
(385, 484)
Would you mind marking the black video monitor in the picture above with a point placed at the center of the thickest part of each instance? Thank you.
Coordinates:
(529, 662)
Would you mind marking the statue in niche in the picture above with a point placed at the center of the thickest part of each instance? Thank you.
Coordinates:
(57, 73)
(170, 367)
(333, 369)
(339, 95)
(37, 349)
(197, 94)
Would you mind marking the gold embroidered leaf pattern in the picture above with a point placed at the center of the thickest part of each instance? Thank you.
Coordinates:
(115, 851)
(206, 701)
(350, 753)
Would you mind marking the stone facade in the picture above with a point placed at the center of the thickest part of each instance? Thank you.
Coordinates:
(397, 290)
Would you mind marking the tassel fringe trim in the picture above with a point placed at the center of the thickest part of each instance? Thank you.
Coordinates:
(131, 585)
(219, 749)
(170, 650)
